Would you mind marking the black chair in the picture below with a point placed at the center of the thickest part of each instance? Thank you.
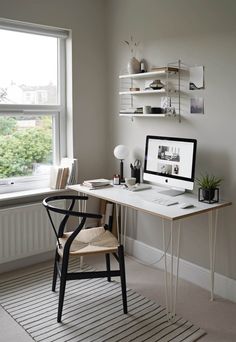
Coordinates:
(81, 242)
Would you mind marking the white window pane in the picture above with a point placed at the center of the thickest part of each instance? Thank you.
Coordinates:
(28, 69)
(26, 145)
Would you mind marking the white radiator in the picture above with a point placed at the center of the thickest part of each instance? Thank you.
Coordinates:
(25, 231)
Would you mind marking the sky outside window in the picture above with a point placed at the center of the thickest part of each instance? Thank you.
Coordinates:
(28, 69)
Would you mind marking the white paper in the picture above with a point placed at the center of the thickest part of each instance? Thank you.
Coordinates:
(196, 80)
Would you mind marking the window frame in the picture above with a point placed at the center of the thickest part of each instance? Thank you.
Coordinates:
(58, 111)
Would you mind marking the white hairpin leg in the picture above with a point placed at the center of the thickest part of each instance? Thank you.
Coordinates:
(213, 223)
(177, 267)
(166, 271)
(82, 205)
(135, 218)
(121, 224)
(171, 283)
(124, 226)
(117, 221)
(171, 269)
(82, 208)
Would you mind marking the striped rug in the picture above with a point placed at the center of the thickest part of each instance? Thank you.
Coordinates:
(92, 312)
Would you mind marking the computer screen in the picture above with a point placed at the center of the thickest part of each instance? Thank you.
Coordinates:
(170, 161)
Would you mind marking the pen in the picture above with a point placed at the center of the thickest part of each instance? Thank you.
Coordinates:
(137, 164)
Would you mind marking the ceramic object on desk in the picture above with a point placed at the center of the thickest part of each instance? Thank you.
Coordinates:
(134, 66)
(130, 181)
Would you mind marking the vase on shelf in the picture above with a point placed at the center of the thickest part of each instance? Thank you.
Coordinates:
(134, 66)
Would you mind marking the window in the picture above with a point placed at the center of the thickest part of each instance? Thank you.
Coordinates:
(32, 102)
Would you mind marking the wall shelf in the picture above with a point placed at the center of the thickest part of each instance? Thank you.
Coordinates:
(151, 74)
(135, 90)
(142, 92)
(131, 115)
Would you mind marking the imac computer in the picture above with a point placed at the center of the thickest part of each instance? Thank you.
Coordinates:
(170, 161)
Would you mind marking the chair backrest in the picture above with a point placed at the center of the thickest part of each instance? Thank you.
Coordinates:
(51, 205)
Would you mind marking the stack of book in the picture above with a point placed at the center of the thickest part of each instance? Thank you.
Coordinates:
(72, 163)
(65, 173)
(97, 183)
(165, 69)
(132, 110)
(59, 177)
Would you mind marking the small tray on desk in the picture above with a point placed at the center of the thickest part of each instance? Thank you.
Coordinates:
(140, 187)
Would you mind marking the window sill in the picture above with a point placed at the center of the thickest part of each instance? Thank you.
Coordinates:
(21, 197)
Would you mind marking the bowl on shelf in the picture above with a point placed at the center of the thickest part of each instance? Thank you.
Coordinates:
(157, 110)
(156, 85)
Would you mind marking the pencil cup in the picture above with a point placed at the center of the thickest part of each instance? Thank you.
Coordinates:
(136, 174)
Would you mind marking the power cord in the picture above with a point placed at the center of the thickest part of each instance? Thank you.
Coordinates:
(155, 261)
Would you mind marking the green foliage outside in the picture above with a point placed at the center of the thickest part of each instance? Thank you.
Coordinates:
(7, 125)
(21, 148)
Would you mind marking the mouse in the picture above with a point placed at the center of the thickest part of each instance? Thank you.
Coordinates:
(186, 205)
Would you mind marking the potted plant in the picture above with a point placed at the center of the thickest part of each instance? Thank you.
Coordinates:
(208, 187)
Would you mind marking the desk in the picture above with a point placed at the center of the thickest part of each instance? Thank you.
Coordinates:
(143, 201)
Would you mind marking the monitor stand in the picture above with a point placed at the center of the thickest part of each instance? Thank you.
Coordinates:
(172, 192)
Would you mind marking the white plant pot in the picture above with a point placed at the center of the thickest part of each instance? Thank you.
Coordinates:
(134, 66)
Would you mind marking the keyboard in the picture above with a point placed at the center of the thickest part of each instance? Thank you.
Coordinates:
(165, 201)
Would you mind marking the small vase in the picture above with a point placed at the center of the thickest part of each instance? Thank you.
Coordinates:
(134, 66)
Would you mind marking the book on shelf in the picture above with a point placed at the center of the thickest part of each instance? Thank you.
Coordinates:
(97, 183)
(165, 69)
(132, 110)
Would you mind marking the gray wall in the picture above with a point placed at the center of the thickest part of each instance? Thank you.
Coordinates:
(199, 32)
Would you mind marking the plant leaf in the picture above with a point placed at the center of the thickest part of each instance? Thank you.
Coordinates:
(126, 42)
(208, 181)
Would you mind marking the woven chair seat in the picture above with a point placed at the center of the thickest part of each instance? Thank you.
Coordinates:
(90, 241)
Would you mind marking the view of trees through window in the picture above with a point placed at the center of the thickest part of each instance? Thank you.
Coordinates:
(25, 144)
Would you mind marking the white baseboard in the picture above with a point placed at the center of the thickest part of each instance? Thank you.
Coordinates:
(224, 287)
